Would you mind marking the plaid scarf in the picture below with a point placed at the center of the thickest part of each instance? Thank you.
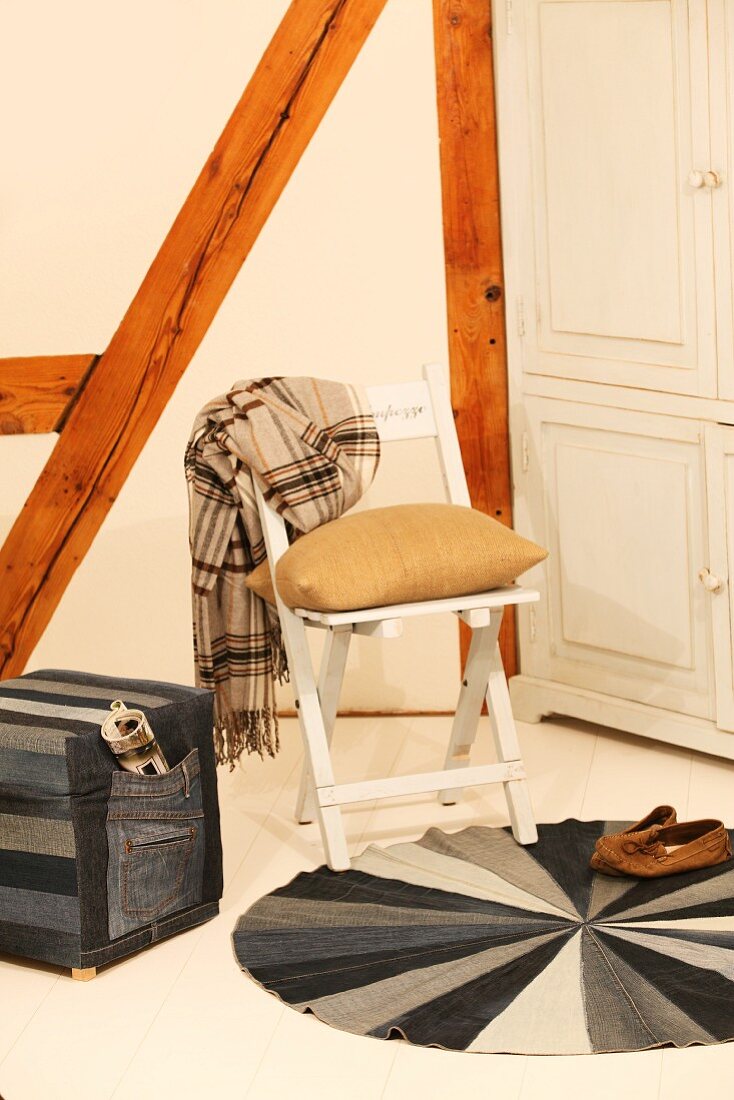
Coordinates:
(314, 449)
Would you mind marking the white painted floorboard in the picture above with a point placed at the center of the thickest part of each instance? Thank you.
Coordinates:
(194, 1027)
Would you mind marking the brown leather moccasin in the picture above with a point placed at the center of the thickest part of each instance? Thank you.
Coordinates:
(665, 850)
(661, 815)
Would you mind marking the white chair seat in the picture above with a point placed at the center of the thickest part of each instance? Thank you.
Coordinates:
(497, 597)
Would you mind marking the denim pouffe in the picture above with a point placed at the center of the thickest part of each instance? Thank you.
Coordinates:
(96, 862)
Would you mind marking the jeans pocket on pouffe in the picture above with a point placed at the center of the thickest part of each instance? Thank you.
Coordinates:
(155, 836)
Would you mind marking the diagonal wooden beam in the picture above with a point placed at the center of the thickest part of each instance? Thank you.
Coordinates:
(473, 256)
(37, 391)
(288, 95)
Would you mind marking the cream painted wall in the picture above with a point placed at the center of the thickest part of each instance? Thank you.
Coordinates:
(110, 112)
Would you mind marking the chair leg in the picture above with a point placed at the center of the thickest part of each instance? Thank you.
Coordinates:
(307, 698)
(314, 736)
(484, 676)
(331, 676)
(505, 738)
(469, 706)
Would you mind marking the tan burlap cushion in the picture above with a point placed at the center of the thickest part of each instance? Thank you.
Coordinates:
(402, 554)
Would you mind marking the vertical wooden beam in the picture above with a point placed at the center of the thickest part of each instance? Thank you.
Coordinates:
(473, 256)
(288, 95)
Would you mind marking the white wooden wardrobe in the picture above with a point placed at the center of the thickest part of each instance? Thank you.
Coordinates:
(616, 132)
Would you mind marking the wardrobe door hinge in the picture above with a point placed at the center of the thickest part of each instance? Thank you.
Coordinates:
(509, 17)
(533, 622)
(520, 316)
(525, 452)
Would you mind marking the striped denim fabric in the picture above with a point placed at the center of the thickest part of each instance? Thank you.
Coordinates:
(55, 777)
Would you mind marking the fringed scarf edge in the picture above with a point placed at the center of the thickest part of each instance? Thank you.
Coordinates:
(251, 731)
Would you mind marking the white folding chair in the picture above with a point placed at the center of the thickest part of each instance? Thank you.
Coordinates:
(412, 410)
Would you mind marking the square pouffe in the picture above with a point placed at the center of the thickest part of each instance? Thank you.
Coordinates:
(97, 862)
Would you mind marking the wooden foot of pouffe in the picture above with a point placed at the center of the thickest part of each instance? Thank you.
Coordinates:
(84, 975)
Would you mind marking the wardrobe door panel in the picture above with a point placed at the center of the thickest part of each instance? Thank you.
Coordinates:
(721, 76)
(619, 499)
(617, 119)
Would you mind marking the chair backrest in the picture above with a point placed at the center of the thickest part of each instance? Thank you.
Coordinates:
(422, 410)
(406, 410)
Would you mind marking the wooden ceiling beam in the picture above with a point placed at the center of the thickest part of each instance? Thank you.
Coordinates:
(36, 391)
(288, 95)
(109, 411)
(473, 257)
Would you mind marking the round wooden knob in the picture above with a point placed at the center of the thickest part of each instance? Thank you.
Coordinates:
(695, 178)
(711, 178)
(710, 581)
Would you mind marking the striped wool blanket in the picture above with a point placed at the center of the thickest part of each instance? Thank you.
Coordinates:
(313, 447)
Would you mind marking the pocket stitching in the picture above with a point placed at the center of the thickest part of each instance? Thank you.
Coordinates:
(134, 808)
(119, 790)
(126, 863)
(166, 782)
(154, 815)
(186, 837)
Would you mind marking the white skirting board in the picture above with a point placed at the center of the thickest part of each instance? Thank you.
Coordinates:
(533, 699)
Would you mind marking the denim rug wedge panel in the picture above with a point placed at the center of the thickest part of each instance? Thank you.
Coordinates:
(55, 781)
(468, 941)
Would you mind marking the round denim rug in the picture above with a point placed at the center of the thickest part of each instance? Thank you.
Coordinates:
(468, 941)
